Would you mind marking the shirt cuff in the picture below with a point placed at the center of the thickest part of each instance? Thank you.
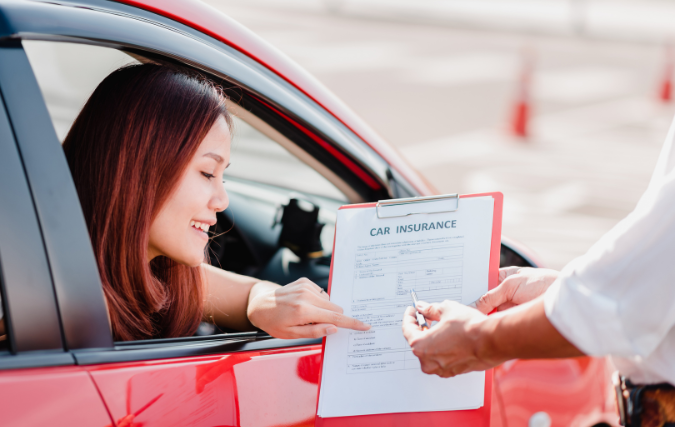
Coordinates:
(586, 318)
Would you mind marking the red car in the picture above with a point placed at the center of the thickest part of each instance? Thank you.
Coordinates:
(59, 364)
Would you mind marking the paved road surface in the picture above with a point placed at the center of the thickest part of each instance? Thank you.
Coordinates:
(443, 97)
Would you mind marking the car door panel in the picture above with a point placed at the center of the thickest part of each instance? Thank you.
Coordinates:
(289, 391)
(573, 392)
(255, 388)
(66, 397)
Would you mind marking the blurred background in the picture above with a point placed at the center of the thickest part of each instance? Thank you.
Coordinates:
(563, 105)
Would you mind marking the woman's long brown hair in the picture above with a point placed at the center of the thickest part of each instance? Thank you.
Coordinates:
(127, 150)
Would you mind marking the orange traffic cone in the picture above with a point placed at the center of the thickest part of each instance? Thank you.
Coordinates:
(666, 89)
(521, 111)
(520, 118)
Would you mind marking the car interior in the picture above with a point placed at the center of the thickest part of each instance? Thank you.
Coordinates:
(284, 193)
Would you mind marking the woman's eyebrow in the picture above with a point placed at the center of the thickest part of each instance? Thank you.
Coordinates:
(214, 156)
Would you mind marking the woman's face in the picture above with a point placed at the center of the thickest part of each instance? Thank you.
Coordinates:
(180, 229)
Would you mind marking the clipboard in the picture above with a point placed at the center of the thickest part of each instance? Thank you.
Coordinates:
(477, 417)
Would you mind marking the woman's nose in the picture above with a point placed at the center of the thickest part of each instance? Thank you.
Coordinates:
(220, 201)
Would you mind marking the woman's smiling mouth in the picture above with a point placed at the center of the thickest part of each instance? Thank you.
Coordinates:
(200, 226)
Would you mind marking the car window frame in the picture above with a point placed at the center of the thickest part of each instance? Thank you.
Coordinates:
(268, 94)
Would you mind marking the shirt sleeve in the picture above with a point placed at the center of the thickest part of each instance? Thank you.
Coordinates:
(619, 298)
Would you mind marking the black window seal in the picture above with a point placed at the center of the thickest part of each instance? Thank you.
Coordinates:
(193, 339)
(171, 350)
(36, 359)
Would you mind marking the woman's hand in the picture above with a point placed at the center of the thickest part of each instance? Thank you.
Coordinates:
(298, 310)
(517, 285)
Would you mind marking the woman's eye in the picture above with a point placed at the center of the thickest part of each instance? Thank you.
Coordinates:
(208, 175)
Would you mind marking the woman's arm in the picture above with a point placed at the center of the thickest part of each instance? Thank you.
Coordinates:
(298, 310)
(226, 299)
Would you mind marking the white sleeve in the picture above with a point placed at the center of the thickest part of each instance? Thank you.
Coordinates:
(619, 298)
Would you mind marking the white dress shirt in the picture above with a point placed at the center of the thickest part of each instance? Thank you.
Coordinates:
(619, 298)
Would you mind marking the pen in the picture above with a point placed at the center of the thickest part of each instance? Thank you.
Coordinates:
(421, 321)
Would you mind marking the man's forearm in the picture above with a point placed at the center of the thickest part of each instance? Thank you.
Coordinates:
(522, 332)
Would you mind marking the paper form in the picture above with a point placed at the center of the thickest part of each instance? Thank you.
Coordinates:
(376, 263)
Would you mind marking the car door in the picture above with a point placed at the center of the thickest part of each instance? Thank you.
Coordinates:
(36, 371)
(226, 379)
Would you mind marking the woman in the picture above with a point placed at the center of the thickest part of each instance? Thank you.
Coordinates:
(147, 154)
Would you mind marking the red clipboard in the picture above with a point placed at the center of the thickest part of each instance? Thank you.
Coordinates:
(477, 417)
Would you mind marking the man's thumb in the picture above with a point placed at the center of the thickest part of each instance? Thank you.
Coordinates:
(505, 272)
(491, 300)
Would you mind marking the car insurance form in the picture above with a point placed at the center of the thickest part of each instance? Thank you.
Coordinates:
(376, 262)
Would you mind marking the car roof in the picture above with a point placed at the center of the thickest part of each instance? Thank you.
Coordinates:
(214, 23)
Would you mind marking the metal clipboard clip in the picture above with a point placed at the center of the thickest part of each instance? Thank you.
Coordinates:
(396, 208)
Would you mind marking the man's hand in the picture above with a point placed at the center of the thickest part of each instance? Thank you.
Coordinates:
(298, 310)
(448, 348)
(466, 340)
(517, 285)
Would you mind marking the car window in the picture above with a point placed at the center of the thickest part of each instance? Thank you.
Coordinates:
(68, 73)
(267, 168)
(256, 157)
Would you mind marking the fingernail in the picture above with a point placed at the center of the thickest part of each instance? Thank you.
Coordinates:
(331, 330)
